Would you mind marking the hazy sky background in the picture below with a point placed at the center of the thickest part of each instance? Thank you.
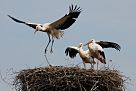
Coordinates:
(111, 20)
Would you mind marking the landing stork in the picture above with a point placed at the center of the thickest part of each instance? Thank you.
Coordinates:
(97, 51)
(72, 51)
(53, 30)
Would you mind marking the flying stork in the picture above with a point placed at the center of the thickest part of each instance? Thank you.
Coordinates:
(72, 51)
(53, 29)
(97, 51)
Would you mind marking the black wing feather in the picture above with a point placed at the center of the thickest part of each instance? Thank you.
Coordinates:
(71, 52)
(103, 55)
(67, 20)
(16, 20)
(74, 13)
(105, 44)
(19, 21)
(75, 7)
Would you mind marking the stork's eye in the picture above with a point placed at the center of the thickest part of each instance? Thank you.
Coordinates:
(41, 25)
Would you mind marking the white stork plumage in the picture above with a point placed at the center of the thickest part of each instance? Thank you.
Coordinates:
(53, 30)
(97, 51)
(72, 51)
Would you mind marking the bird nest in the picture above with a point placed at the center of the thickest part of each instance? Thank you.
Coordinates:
(68, 79)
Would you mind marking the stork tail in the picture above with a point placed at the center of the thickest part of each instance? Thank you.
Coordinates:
(57, 33)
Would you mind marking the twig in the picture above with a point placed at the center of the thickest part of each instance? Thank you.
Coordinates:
(3, 79)
(79, 84)
(94, 86)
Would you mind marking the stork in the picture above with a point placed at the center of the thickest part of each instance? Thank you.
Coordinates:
(72, 51)
(53, 29)
(97, 51)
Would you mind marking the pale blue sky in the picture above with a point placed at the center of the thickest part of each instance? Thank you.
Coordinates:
(111, 20)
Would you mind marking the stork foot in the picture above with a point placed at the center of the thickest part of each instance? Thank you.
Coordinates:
(92, 66)
(51, 51)
(50, 65)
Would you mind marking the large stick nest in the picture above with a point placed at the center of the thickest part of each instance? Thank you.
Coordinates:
(68, 79)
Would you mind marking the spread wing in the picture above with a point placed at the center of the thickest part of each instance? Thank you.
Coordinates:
(105, 44)
(71, 51)
(67, 20)
(33, 25)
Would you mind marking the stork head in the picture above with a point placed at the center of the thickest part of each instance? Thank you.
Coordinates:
(91, 41)
(80, 45)
(38, 28)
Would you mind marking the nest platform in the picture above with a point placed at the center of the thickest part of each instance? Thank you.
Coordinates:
(59, 78)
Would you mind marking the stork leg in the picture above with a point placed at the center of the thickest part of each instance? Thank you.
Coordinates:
(48, 61)
(51, 51)
(97, 64)
(84, 65)
(48, 43)
(92, 63)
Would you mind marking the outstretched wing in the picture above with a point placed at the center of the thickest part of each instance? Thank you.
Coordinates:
(33, 25)
(71, 51)
(67, 20)
(105, 44)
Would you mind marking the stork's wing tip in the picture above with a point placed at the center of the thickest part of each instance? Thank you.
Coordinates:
(66, 51)
(75, 8)
(118, 47)
(8, 15)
